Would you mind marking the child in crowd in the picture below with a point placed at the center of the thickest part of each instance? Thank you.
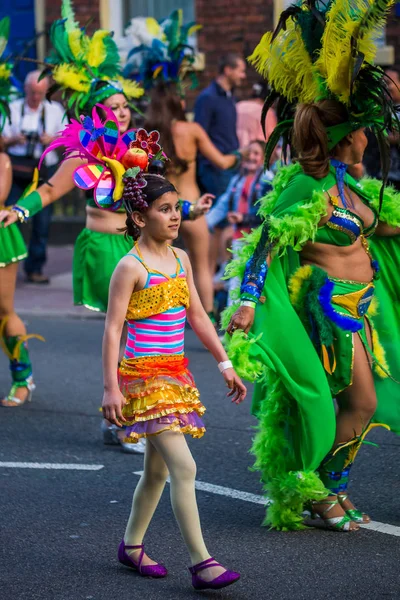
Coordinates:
(239, 203)
(156, 398)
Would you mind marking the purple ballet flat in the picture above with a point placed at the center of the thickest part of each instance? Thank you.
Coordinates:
(219, 582)
(145, 570)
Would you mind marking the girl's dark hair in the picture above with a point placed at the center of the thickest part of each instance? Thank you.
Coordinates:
(310, 139)
(165, 107)
(2, 145)
(157, 185)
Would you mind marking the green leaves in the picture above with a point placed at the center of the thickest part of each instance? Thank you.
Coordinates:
(131, 173)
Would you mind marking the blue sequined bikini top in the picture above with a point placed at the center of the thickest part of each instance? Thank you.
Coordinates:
(344, 226)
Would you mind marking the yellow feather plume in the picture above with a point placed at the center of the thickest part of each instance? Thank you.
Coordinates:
(286, 64)
(296, 282)
(97, 52)
(344, 22)
(381, 366)
(75, 43)
(153, 27)
(70, 76)
(130, 88)
(368, 32)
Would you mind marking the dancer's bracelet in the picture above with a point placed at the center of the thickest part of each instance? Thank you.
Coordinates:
(186, 208)
(225, 364)
(31, 204)
(21, 213)
(249, 303)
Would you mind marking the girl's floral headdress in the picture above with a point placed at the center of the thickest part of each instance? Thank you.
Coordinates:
(116, 161)
(86, 69)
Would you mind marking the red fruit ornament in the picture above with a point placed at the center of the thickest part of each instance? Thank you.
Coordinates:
(135, 157)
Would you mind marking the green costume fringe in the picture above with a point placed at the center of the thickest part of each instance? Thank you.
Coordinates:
(289, 489)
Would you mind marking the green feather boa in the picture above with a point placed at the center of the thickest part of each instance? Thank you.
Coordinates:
(390, 213)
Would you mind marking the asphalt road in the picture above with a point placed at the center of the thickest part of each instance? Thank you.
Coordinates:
(60, 528)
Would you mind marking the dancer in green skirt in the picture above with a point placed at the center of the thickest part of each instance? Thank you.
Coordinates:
(13, 335)
(320, 287)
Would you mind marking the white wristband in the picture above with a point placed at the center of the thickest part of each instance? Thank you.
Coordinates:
(226, 364)
(248, 303)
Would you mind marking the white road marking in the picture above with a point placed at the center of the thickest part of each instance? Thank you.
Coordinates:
(57, 466)
(382, 528)
(255, 499)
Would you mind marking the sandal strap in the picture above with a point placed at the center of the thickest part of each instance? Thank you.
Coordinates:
(13, 399)
(134, 547)
(341, 523)
(205, 564)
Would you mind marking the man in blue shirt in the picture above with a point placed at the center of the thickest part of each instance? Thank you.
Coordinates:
(215, 111)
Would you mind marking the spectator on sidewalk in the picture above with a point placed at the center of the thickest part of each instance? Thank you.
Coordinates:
(248, 112)
(34, 125)
(239, 202)
(215, 111)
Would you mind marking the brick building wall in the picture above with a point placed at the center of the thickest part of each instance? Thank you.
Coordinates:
(231, 26)
(86, 11)
(393, 34)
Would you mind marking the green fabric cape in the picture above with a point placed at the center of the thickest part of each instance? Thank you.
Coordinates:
(292, 399)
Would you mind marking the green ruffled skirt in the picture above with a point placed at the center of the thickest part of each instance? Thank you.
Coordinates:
(95, 257)
(12, 245)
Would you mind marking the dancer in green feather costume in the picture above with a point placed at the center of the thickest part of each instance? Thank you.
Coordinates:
(318, 318)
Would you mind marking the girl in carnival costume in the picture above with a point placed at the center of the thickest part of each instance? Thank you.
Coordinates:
(161, 59)
(13, 335)
(156, 398)
(87, 70)
(320, 276)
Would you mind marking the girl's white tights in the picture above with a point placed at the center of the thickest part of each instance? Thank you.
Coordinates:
(166, 453)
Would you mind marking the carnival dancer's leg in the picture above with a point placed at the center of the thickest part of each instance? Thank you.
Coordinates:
(197, 241)
(13, 329)
(357, 405)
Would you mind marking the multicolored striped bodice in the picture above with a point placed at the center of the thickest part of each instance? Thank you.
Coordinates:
(156, 314)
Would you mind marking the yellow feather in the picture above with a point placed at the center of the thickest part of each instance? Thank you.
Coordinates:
(153, 27)
(336, 61)
(130, 88)
(381, 366)
(70, 76)
(193, 29)
(74, 41)
(286, 64)
(296, 282)
(97, 52)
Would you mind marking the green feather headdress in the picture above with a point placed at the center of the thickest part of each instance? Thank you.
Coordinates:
(86, 69)
(326, 51)
(5, 73)
(161, 51)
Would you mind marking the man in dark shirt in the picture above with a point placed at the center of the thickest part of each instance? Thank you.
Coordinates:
(215, 111)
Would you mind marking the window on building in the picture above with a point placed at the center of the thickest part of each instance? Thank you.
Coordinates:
(159, 9)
